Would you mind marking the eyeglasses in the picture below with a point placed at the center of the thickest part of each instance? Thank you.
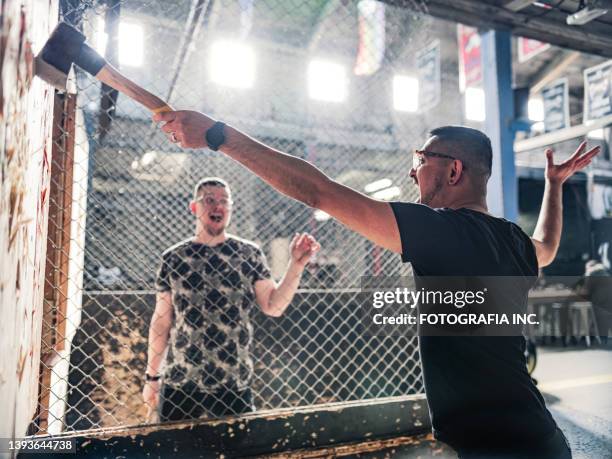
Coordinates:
(418, 155)
(209, 201)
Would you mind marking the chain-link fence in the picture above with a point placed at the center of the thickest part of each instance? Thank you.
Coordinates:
(132, 189)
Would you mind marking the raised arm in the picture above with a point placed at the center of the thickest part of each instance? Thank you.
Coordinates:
(274, 299)
(293, 177)
(547, 234)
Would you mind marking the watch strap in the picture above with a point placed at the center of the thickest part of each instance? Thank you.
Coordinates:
(148, 377)
(215, 137)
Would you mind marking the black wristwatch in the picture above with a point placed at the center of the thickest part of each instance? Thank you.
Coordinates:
(148, 377)
(215, 136)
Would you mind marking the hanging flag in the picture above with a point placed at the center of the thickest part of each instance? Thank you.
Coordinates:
(470, 63)
(371, 37)
(528, 48)
(246, 17)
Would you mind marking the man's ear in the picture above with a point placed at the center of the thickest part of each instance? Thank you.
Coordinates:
(456, 172)
(192, 207)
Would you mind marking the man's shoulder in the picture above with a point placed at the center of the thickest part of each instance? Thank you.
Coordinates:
(241, 244)
(414, 212)
(405, 206)
(177, 248)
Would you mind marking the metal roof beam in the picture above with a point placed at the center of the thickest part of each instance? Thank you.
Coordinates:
(595, 38)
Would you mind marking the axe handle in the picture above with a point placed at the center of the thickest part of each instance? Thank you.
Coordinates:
(113, 78)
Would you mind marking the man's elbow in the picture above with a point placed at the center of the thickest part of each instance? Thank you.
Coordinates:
(545, 251)
(546, 258)
(273, 311)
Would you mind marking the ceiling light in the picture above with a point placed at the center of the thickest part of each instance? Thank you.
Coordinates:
(232, 64)
(131, 39)
(535, 109)
(592, 10)
(405, 93)
(101, 37)
(131, 42)
(475, 104)
(327, 81)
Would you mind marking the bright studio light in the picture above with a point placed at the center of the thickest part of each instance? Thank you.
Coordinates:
(327, 81)
(131, 37)
(535, 109)
(405, 93)
(101, 37)
(475, 104)
(232, 64)
(131, 42)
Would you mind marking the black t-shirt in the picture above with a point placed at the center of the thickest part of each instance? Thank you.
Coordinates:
(478, 388)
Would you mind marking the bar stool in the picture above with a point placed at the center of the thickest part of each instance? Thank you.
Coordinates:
(552, 324)
(583, 321)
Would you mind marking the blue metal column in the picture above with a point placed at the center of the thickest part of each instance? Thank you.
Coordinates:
(497, 81)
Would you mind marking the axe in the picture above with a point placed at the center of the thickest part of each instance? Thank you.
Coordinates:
(66, 46)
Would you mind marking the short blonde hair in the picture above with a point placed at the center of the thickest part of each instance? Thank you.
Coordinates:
(210, 181)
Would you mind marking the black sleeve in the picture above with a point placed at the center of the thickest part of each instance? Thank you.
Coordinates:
(426, 235)
(162, 282)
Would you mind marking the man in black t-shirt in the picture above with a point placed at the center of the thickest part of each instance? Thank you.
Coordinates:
(482, 400)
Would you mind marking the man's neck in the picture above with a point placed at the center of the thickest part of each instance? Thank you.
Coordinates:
(203, 237)
(479, 205)
(473, 206)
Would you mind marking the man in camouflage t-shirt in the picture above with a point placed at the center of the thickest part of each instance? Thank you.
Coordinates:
(207, 287)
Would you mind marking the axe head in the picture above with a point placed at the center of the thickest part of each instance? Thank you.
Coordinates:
(66, 46)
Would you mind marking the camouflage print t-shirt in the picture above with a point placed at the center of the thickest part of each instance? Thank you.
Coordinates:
(213, 298)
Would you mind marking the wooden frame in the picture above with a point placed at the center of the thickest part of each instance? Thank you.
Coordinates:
(316, 431)
(53, 337)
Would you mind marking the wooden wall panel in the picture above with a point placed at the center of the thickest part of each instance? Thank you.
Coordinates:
(25, 157)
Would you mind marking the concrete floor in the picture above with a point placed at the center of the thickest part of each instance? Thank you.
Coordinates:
(577, 385)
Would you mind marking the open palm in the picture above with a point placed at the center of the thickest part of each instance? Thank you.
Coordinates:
(579, 160)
